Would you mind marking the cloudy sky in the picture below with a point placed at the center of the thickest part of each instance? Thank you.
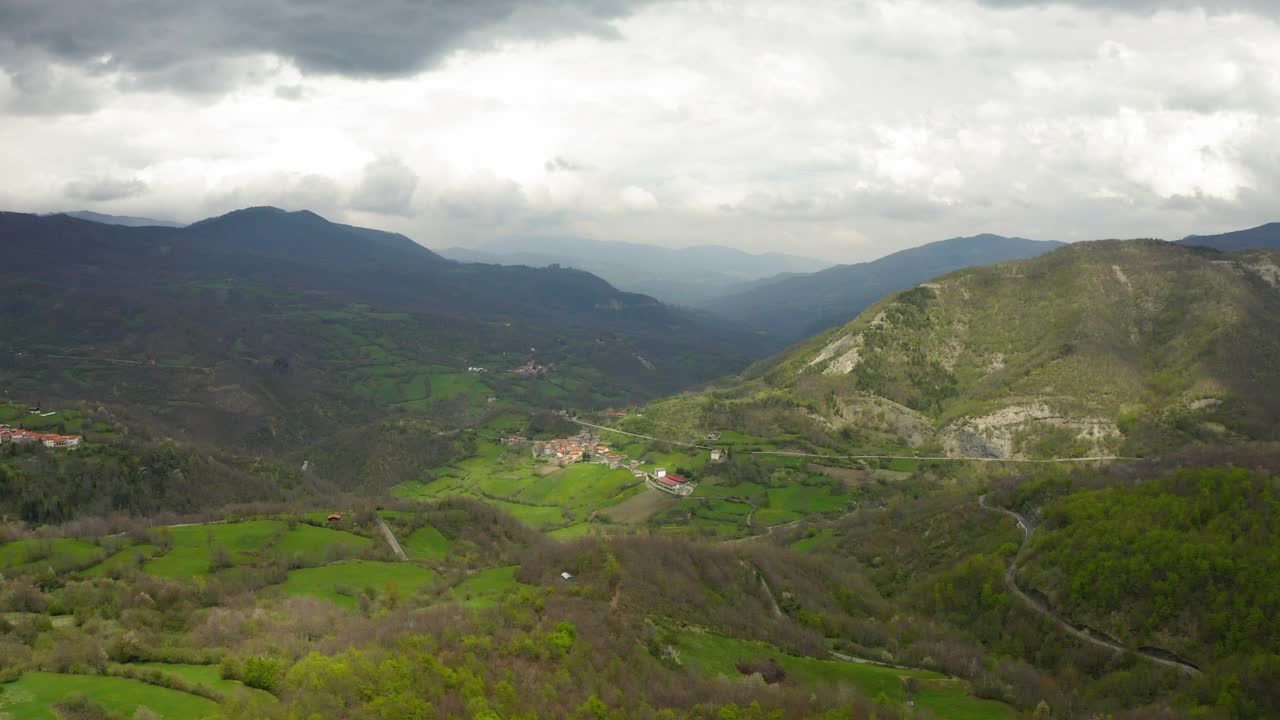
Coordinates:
(842, 129)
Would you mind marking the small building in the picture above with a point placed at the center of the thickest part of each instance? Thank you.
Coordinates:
(677, 479)
(566, 577)
(718, 455)
(659, 472)
(637, 473)
(334, 517)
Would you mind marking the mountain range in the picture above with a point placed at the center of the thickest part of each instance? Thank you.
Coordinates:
(268, 328)
(683, 276)
(1097, 348)
(792, 307)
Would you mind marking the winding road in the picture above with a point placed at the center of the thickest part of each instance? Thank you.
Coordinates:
(1155, 655)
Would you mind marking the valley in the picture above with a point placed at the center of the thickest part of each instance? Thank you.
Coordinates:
(401, 513)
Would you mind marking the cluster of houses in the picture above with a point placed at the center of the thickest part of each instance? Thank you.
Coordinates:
(531, 369)
(586, 447)
(18, 436)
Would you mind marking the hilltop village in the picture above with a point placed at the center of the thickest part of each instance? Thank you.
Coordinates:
(587, 447)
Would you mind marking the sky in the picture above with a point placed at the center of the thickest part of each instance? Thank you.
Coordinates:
(838, 129)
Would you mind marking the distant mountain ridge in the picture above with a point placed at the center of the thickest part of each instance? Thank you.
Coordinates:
(794, 307)
(1263, 236)
(126, 220)
(262, 328)
(684, 276)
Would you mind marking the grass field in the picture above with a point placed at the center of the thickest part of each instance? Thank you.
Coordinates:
(426, 543)
(209, 676)
(485, 588)
(806, 499)
(193, 544)
(820, 541)
(125, 557)
(340, 583)
(56, 551)
(314, 544)
(947, 698)
(32, 696)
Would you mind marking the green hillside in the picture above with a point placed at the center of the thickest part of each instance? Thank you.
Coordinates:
(264, 330)
(1097, 348)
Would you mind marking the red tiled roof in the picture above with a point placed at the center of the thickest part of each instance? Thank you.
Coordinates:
(675, 478)
(666, 480)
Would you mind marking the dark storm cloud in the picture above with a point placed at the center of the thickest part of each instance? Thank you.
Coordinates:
(185, 45)
(1263, 7)
(104, 189)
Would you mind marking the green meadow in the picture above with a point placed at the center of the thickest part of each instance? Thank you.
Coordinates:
(485, 588)
(59, 552)
(948, 697)
(209, 676)
(33, 696)
(193, 546)
(426, 543)
(312, 544)
(342, 582)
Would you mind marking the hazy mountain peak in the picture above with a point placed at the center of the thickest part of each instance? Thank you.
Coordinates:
(795, 306)
(125, 220)
(688, 276)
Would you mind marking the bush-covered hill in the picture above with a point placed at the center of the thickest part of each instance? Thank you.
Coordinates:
(1097, 348)
(267, 330)
(1187, 562)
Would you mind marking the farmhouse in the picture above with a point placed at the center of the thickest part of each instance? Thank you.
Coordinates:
(674, 484)
(718, 455)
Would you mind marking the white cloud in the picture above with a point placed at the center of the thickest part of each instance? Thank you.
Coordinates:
(637, 198)
(845, 129)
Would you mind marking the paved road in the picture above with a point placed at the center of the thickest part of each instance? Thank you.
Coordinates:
(645, 437)
(1155, 655)
(391, 539)
(780, 453)
(962, 458)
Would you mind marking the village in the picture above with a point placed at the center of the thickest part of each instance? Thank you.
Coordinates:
(587, 447)
(22, 436)
(18, 436)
